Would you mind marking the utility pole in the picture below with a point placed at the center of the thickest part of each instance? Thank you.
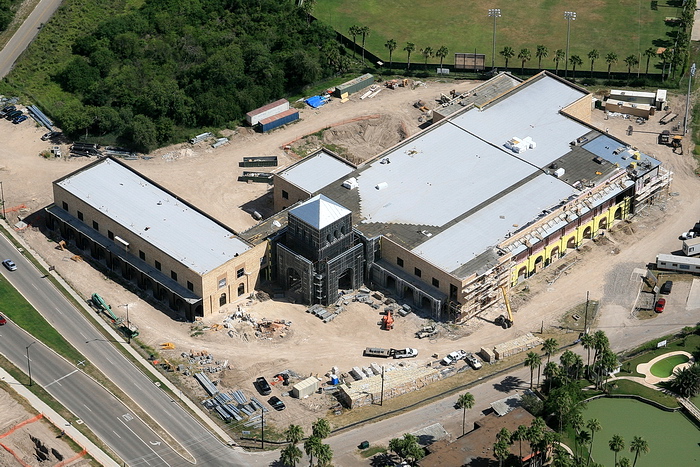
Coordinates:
(2, 195)
(569, 15)
(687, 101)
(493, 13)
(262, 431)
(585, 319)
(29, 364)
(128, 326)
(381, 400)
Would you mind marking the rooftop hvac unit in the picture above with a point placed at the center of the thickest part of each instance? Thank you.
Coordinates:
(381, 185)
(351, 183)
(559, 172)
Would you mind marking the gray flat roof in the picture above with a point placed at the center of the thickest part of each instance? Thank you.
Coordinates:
(161, 219)
(316, 171)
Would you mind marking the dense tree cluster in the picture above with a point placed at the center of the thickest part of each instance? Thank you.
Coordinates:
(191, 64)
(7, 12)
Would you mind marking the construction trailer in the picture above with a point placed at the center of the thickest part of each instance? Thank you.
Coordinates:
(678, 263)
(691, 246)
(354, 85)
(305, 388)
(276, 121)
(255, 116)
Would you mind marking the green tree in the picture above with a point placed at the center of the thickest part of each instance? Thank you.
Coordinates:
(410, 47)
(407, 448)
(294, 434)
(324, 455)
(551, 372)
(584, 438)
(540, 53)
(501, 450)
(616, 444)
(593, 426)
(290, 455)
(631, 61)
(441, 53)
(391, 46)
(575, 61)
(507, 53)
(465, 402)
(532, 361)
(144, 133)
(593, 55)
(638, 446)
(535, 434)
(427, 53)
(321, 428)
(649, 54)
(312, 446)
(549, 346)
(625, 462)
(520, 435)
(354, 31)
(684, 382)
(666, 56)
(559, 55)
(524, 56)
(587, 340)
(364, 32)
(610, 59)
(567, 360)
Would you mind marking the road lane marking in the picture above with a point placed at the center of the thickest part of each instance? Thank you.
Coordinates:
(59, 311)
(59, 379)
(116, 434)
(87, 407)
(146, 444)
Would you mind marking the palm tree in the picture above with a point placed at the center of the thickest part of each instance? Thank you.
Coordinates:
(464, 402)
(504, 435)
(575, 61)
(559, 55)
(549, 346)
(321, 428)
(507, 53)
(501, 451)
(427, 53)
(583, 438)
(441, 54)
(540, 53)
(519, 435)
(577, 424)
(625, 462)
(666, 56)
(294, 434)
(637, 446)
(354, 31)
(610, 59)
(290, 455)
(532, 360)
(551, 371)
(364, 31)
(684, 382)
(587, 339)
(616, 444)
(524, 55)
(324, 455)
(567, 360)
(391, 45)
(594, 426)
(630, 61)
(410, 47)
(649, 53)
(311, 447)
(593, 55)
(600, 343)
(535, 433)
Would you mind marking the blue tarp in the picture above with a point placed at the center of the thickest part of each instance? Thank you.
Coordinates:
(317, 101)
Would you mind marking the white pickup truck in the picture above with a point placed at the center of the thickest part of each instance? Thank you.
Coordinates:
(405, 353)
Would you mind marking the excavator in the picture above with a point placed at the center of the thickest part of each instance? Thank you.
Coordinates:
(388, 321)
(505, 321)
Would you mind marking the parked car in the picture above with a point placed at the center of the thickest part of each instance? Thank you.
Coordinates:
(453, 357)
(9, 264)
(276, 403)
(14, 114)
(660, 304)
(19, 119)
(688, 235)
(51, 135)
(473, 361)
(263, 386)
(3, 321)
(666, 288)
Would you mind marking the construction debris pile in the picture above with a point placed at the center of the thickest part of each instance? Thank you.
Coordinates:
(231, 405)
(520, 344)
(263, 328)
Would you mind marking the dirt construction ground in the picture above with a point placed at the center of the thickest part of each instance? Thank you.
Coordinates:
(208, 178)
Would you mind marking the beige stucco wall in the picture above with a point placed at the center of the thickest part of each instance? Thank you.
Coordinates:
(295, 194)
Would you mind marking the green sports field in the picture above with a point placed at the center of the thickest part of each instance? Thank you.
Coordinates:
(624, 27)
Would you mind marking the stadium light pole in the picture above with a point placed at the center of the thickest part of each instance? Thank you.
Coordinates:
(569, 15)
(493, 13)
(687, 99)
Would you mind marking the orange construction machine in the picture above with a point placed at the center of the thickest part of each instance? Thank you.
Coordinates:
(388, 321)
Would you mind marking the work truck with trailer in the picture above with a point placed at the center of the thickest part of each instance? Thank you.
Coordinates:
(386, 353)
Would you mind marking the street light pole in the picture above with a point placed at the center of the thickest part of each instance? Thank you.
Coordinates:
(493, 13)
(128, 326)
(2, 195)
(687, 99)
(569, 15)
(29, 364)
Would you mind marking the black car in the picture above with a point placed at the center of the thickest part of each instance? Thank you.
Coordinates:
(51, 135)
(14, 114)
(276, 403)
(666, 288)
(263, 386)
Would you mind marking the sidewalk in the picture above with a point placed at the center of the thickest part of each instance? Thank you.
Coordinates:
(59, 422)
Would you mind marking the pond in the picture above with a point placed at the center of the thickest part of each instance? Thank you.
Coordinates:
(672, 437)
(664, 368)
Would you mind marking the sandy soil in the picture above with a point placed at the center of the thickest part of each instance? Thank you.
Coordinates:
(18, 440)
(207, 178)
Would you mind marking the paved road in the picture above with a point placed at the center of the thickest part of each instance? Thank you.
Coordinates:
(195, 438)
(26, 34)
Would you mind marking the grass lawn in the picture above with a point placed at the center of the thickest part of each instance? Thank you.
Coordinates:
(690, 344)
(624, 27)
(622, 386)
(664, 368)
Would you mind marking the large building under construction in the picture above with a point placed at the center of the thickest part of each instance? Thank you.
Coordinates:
(508, 179)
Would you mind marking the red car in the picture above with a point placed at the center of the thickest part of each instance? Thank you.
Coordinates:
(660, 304)
(2, 320)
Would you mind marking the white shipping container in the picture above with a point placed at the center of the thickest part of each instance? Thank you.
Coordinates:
(254, 116)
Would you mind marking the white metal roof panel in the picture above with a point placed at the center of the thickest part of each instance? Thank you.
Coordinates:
(487, 227)
(532, 110)
(315, 172)
(436, 178)
(319, 211)
(159, 218)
